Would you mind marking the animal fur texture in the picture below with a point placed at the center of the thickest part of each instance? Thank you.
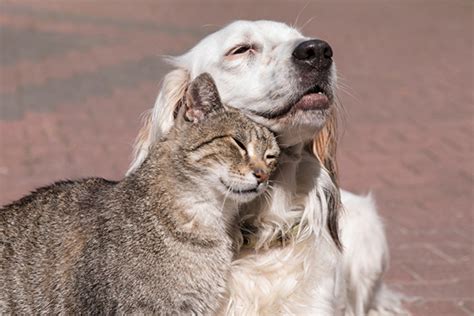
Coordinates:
(157, 242)
(315, 249)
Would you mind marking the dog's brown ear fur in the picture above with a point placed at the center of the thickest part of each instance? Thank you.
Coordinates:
(324, 148)
(169, 100)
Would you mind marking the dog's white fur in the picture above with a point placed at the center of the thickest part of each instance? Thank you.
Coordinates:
(308, 275)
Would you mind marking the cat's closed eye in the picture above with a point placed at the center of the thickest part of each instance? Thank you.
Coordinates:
(240, 144)
(271, 158)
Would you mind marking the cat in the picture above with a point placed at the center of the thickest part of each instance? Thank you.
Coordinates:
(157, 242)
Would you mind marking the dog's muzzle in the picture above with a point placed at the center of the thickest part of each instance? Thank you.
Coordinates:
(312, 61)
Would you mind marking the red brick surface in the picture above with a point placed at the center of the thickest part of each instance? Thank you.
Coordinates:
(76, 75)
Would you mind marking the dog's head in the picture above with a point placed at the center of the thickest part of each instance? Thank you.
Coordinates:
(271, 72)
(266, 69)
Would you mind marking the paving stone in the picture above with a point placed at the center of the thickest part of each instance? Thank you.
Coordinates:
(75, 77)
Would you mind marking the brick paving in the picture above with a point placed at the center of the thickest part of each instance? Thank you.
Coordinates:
(76, 75)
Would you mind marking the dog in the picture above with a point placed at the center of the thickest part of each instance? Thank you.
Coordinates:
(308, 247)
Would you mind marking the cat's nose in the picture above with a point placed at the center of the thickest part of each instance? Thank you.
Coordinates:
(261, 175)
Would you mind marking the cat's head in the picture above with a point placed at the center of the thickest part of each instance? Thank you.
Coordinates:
(224, 149)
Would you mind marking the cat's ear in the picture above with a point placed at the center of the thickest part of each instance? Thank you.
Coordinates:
(202, 98)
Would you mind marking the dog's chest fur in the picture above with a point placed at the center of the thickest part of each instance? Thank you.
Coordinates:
(287, 279)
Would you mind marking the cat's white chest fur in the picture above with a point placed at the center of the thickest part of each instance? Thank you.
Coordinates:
(207, 211)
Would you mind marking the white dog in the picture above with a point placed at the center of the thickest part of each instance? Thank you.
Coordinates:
(304, 254)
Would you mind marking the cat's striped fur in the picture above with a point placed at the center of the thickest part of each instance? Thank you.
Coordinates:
(159, 241)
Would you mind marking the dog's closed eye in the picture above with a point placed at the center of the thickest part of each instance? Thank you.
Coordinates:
(240, 49)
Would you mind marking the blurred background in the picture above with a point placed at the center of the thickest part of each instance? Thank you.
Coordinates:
(76, 75)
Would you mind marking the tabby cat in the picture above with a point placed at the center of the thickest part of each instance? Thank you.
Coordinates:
(156, 242)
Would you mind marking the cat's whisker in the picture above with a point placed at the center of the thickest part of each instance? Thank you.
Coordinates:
(268, 198)
(225, 199)
(276, 181)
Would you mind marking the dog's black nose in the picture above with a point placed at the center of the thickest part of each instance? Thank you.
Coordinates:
(315, 52)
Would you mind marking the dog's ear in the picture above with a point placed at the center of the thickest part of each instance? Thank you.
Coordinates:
(324, 148)
(202, 98)
(161, 118)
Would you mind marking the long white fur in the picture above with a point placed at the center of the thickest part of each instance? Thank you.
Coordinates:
(308, 276)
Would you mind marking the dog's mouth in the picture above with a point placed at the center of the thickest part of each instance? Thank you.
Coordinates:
(315, 98)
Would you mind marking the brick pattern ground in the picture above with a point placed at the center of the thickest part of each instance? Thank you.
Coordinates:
(76, 75)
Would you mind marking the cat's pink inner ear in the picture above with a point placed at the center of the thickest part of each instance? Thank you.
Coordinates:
(194, 115)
